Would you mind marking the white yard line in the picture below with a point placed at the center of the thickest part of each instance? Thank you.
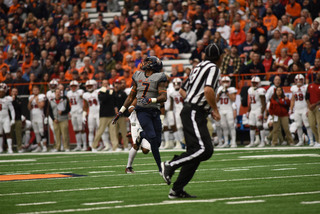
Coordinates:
(102, 202)
(280, 148)
(161, 184)
(283, 169)
(97, 172)
(310, 202)
(245, 202)
(38, 203)
(17, 160)
(234, 170)
(280, 156)
(173, 202)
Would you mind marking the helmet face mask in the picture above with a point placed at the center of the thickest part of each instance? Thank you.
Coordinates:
(74, 85)
(226, 81)
(299, 79)
(53, 84)
(91, 85)
(3, 90)
(177, 83)
(152, 63)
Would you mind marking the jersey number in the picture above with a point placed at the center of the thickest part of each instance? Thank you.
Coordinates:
(73, 101)
(178, 100)
(224, 101)
(298, 97)
(93, 102)
(146, 88)
(253, 99)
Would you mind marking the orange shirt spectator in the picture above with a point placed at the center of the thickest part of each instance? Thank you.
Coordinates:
(191, 10)
(129, 52)
(89, 70)
(293, 9)
(27, 63)
(237, 37)
(290, 46)
(318, 54)
(13, 9)
(270, 21)
(84, 44)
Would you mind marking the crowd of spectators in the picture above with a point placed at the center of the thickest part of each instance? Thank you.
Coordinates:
(42, 40)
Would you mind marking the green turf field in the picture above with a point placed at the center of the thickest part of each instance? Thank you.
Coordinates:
(277, 180)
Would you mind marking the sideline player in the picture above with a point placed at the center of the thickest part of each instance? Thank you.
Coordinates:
(257, 106)
(299, 108)
(176, 107)
(91, 105)
(226, 97)
(149, 87)
(36, 106)
(50, 95)
(5, 122)
(75, 98)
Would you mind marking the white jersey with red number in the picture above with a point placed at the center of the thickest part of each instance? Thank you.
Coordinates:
(254, 96)
(5, 105)
(50, 95)
(93, 101)
(76, 101)
(299, 94)
(225, 103)
(35, 110)
(177, 101)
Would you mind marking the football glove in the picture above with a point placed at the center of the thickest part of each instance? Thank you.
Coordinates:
(146, 101)
(12, 122)
(116, 118)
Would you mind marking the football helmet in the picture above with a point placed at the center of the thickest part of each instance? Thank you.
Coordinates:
(74, 83)
(255, 81)
(152, 63)
(299, 79)
(3, 87)
(177, 83)
(53, 84)
(91, 85)
(226, 81)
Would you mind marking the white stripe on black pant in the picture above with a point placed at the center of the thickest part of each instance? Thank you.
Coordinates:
(198, 142)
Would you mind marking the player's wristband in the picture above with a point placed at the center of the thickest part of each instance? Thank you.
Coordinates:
(122, 109)
(153, 100)
(131, 107)
(84, 114)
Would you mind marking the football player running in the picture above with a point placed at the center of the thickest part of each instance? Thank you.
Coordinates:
(36, 106)
(299, 109)
(135, 129)
(176, 107)
(5, 122)
(227, 97)
(149, 87)
(257, 106)
(75, 98)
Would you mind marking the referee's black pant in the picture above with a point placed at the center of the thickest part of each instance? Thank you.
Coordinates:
(198, 142)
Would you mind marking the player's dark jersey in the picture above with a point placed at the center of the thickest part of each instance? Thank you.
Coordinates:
(148, 87)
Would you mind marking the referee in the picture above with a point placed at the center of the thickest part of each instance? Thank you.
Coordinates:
(199, 96)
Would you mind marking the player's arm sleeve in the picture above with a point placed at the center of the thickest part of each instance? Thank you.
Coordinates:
(67, 110)
(12, 112)
(307, 94)
(212, 78)
(51, 112)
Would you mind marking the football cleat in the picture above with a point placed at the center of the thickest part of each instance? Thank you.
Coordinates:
(139, 139)
(181, 194)
(129, 170)
(38, 149)
(167, 172)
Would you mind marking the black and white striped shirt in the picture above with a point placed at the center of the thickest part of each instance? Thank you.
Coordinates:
(204, 74)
